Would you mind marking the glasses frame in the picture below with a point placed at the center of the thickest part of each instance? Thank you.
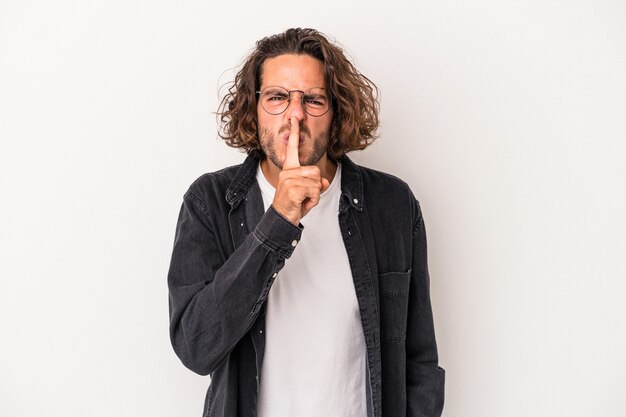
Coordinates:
(302, 93)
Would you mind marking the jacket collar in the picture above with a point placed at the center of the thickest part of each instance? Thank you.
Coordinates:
(351, 183)
(245, 177)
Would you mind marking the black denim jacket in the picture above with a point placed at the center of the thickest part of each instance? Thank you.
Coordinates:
(227, 252)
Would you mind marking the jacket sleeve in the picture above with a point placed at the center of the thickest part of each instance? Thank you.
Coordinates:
(425, 379)
(213, 302)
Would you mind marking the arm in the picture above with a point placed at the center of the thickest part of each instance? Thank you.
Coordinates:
(425, 379)
(214, 303)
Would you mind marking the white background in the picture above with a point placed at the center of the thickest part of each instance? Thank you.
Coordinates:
(507, 118)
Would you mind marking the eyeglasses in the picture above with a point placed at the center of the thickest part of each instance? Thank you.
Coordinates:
(275, 100)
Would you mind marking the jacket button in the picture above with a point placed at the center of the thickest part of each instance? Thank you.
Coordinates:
(274, 274)
(356, 201)
(294, 243)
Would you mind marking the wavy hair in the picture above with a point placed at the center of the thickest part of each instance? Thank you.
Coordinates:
(354, 96)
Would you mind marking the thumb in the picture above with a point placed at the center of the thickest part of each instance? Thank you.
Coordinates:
(325, 185)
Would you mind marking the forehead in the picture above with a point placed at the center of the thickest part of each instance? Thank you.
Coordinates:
(297, 72)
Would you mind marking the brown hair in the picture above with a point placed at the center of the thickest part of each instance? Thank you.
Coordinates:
(355, 97)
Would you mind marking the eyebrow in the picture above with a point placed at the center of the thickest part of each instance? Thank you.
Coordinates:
(280, 86)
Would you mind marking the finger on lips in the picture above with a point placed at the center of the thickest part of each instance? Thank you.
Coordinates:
(292, 159)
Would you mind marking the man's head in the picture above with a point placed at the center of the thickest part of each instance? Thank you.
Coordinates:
(336, 105)
(293, 86)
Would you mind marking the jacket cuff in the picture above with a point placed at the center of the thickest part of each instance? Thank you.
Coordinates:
(277, 233)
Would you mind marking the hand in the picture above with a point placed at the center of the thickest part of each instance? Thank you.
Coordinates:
(299, 187)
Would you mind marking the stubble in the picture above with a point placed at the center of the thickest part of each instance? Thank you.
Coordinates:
(319, 146)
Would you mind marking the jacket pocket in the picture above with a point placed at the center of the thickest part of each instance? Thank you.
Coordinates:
(394, 301)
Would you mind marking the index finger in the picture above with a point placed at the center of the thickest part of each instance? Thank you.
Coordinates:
(292, 158)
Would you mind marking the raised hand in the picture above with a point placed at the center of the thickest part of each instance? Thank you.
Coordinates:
(299, 187)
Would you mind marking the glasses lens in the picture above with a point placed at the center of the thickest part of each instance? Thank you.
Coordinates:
(275, 100)
(316, 101)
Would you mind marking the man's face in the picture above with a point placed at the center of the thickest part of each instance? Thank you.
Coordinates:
(293, 72)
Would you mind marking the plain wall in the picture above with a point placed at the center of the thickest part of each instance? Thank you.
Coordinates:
(507, 118)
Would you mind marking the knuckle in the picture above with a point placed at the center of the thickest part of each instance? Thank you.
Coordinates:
(315, 171)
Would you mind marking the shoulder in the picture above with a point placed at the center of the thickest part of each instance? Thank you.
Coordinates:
(374, 177)
(210, 180)
(388, 195)
(209, 190)
(383, 184)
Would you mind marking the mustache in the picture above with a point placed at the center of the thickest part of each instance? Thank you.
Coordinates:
(303, 129)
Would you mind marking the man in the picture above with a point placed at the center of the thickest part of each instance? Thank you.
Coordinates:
(298, 279)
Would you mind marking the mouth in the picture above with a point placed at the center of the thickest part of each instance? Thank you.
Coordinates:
(286, 138)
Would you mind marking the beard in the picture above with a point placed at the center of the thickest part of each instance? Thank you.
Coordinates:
(319, 144)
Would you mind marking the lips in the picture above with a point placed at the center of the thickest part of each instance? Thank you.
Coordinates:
(286, 138)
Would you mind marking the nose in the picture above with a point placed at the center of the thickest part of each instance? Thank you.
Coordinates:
(295, 107)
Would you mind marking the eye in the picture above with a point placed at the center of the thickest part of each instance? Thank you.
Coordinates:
(315, 100)
(276, 97)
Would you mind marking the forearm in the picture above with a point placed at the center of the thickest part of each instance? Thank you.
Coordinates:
(213, 303)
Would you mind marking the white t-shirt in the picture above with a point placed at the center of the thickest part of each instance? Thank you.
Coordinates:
(314, 362)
